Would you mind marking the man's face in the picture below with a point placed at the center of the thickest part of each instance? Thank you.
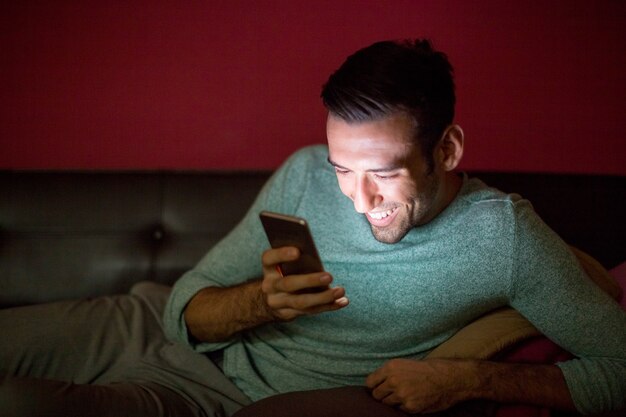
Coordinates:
(386, 176)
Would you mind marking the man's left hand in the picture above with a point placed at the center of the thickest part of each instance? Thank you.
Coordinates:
(424, 386)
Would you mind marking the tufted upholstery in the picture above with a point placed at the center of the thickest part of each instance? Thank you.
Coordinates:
(83, 234)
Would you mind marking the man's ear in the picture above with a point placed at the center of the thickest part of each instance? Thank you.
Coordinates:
(450, 149)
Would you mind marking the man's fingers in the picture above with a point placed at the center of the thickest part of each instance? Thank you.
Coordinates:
(291, 296)
(387, 395)
(296, 283)
(384, 394)
(271, 260)
(289, 306)
(374, 379)
(392, 399)
(273, 257)
(308, 301)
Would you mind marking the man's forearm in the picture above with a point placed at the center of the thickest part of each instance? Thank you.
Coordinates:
(541, 385)
(437, 384)
(216, 314)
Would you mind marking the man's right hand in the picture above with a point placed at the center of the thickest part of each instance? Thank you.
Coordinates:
(288, 297)
(216, 314)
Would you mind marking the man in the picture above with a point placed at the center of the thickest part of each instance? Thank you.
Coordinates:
(414, 253)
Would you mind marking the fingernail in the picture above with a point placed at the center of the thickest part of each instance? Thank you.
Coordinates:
(325, 279)
(343, 301)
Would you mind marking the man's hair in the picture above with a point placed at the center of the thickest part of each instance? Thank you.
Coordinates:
(396, 76)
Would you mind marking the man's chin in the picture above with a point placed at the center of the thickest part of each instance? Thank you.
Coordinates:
(388, 234)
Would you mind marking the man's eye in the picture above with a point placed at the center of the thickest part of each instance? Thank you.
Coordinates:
(385, 177)
(341, 171)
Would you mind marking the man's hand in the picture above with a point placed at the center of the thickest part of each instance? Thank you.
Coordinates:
(432, 385)
(296, 295)
(422, 386)
(217, 314)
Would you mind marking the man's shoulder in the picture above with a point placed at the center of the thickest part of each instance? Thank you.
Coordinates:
(475, 190)
(482, 203)
(312, 154)
(309, 164)
(302, 171)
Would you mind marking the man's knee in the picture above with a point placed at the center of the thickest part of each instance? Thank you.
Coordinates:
(143, 288)
(153, 294)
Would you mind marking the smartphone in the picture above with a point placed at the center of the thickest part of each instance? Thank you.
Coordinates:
(284, 230)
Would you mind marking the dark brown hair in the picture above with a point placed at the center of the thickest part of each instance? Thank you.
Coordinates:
(396, 76)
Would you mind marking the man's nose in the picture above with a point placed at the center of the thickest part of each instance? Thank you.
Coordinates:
(365, 196)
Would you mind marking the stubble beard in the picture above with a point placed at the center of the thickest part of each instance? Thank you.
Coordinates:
(415, 214)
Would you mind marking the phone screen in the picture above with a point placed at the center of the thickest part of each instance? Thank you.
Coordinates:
(284, 230)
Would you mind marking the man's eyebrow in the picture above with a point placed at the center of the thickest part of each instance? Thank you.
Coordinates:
(388, 168)
(336, 165)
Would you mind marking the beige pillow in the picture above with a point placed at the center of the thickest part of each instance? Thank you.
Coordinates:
(504, 327)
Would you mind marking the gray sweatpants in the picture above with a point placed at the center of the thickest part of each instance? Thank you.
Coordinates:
(106, 356)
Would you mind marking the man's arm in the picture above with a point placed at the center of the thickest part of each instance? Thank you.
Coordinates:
(216, 314)
(438, 384)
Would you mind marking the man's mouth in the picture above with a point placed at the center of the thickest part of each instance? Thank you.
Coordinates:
(382, 218)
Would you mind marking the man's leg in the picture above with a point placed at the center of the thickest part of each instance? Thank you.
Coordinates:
(335, 402)
(21, 396)
(350, 401)
(74, 341)
(106, 356)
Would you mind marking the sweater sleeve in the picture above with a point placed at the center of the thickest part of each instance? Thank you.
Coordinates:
(552, 291)
(237, 257)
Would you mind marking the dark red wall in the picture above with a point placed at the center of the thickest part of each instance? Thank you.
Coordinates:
(235, 84)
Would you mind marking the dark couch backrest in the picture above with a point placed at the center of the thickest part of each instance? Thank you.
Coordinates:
(67, 235)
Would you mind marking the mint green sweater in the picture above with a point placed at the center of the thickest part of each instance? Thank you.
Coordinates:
(484, 251)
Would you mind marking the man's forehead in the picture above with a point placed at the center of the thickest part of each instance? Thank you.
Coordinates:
(379, 145)
(398, 127)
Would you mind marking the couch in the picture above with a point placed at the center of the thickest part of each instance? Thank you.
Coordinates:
(71, 234)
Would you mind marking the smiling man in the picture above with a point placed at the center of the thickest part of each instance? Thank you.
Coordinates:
(383, 171)
(414, 253)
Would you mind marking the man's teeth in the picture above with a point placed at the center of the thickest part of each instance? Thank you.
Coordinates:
(381, 214)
